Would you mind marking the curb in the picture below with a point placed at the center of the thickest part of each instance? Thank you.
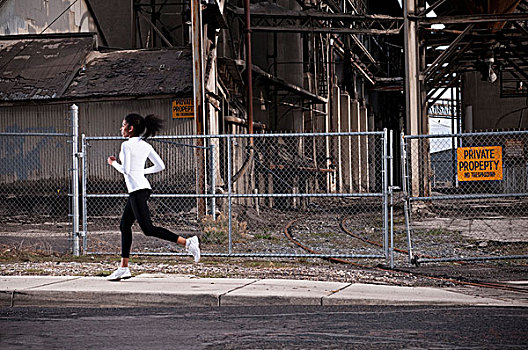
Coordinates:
(185, 291)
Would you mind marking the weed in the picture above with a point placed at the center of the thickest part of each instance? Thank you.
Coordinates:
(217, 231)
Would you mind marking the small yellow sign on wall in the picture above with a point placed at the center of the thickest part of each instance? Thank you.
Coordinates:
(479, 163)
(182, 108)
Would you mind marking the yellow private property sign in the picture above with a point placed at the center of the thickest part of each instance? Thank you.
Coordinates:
(479, 163)
(182, 108)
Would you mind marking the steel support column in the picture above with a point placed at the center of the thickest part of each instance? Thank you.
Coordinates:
(198, 94)
(411, 69)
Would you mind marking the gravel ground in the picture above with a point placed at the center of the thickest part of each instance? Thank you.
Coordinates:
(27, 262)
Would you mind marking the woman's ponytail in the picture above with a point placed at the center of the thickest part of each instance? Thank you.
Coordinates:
(144, 127)
(153, 124)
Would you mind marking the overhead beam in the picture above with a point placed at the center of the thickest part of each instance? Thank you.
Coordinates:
(302, 21)
(303, 29)
(519, 69)
(153, 26)
(447, 53)
(520, 28)
(450, 68)
(483, 18)
(431, 100)
(432, 7)
(296, 15)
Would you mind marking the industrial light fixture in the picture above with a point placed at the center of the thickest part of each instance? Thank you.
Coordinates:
(492, 76)
(262, 102)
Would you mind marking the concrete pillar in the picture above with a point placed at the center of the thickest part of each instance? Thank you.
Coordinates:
(330, 177)
(355, 146)
(346, 144)
(363, 144)
(468, 119)
(412, 94)
(372, 149)
(336, 141)
(290, 68)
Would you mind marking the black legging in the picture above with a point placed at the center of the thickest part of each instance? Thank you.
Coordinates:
(136, 208)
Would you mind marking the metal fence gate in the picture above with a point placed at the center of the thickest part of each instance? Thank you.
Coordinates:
(37, 187)
(467, 196)
(250, 195)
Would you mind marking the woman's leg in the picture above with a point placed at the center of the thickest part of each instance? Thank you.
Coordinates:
(139, 205)
(127, 220)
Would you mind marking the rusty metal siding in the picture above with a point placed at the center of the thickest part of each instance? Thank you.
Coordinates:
(35, 118)
(104, 119)
(34, 158)
(96, 118)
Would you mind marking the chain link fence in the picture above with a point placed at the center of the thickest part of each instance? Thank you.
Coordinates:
(284, 195)
(35, 189)
(249, 195)
(467, 196)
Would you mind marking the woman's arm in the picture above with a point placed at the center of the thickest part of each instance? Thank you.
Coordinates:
(157, 161)
(113, 162)
(125, 167)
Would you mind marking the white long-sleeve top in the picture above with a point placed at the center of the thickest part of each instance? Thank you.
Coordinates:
(133, 156)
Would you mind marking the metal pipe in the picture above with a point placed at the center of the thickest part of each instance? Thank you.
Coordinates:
(469, 196)
(406, 203)
(385, 195)
(229, 193)
(248, 195)
(213, 181)
(242, 136)
(249, 68)
(468, 258)
(84, 202)
(467, 134)
(391, 188)
(199, 104)
(74, 115)
(254, 255)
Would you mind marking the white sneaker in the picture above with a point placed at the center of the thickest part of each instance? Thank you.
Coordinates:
(193, 247)
(121, 273)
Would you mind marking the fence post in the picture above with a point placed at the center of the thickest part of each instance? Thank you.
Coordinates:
(391, 193)
(405, 190)
(213, 181)
(74, 115)
(229, 191)
(83, 195)
(385, 195)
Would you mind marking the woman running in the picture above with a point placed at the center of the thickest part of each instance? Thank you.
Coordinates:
(133, 155)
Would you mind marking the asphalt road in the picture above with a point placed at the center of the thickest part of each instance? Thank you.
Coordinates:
(285, 327)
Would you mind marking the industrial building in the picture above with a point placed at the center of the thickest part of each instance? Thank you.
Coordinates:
(267, 67)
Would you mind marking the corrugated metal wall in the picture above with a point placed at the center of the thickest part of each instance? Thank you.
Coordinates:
(104, 118)
(96, 118)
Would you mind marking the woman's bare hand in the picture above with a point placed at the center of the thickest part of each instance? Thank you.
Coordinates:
(111, 159)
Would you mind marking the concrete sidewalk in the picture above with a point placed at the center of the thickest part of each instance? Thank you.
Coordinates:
(171, 290)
